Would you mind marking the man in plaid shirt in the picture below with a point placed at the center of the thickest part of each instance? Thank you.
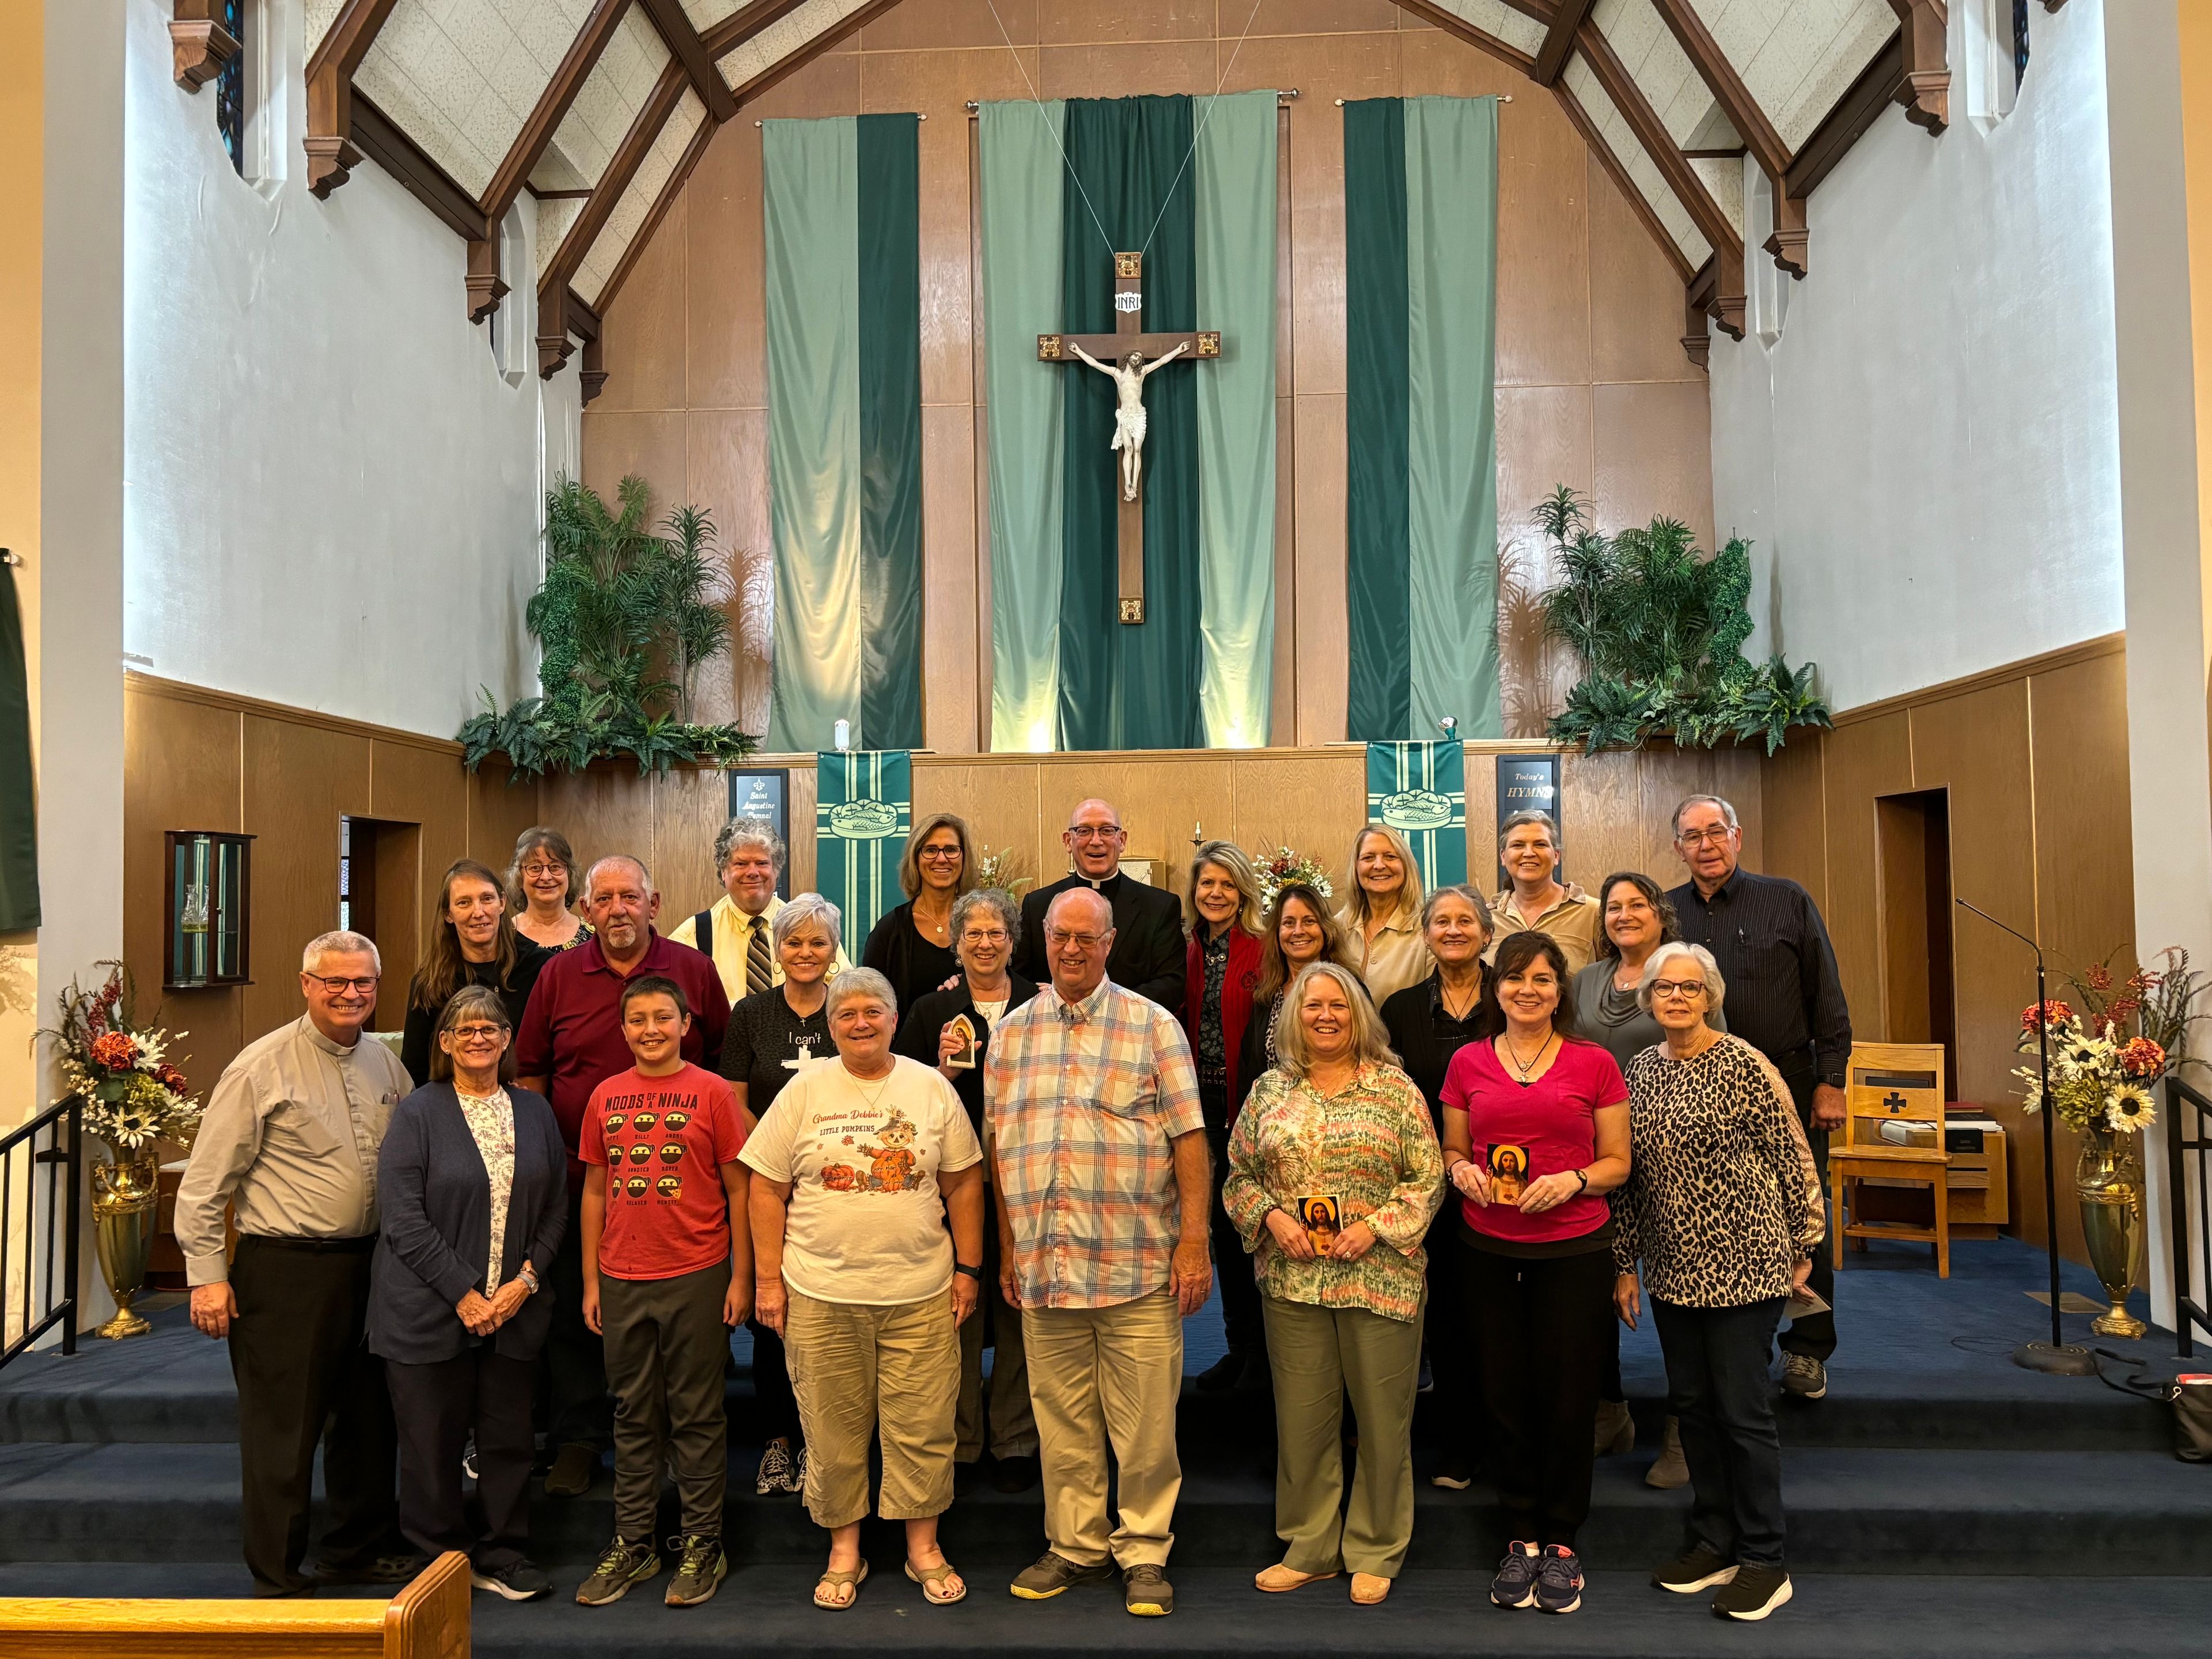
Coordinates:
(1098, 1151)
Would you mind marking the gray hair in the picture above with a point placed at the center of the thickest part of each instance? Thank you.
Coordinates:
(1370, 1040)
(855, 983)
(1717, 803)
(1716, 986)
(592, 875)
(339, 941)
(809, 910)
(747, 832)
(994, 899)
(1527, 816)
(1462, 891)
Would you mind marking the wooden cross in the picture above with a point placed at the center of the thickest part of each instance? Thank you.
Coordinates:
(1129, 336)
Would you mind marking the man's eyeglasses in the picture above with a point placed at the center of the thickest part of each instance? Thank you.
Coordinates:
(1716, 837)
(1095, 831)
(1057, 937)
(338, 987)
(1677, 988)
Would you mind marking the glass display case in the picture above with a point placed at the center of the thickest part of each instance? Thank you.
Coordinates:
(210, 890)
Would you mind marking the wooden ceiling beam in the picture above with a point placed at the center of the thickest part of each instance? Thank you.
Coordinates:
(1453, 24)
(330, 68)
(1658, 143)
(199, 45)
(742, 24)
(681, 39)
(792, 62)
(1924, 29)
(661, 203)
(1559, 40)
(1603, 151)
(380, 139)
(1859, 108)
(552, 107)
(1789, 242)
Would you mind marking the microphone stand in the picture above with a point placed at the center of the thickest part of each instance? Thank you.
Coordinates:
(2057, 1355)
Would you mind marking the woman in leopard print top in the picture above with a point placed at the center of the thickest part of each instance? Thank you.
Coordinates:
(1723, 1208)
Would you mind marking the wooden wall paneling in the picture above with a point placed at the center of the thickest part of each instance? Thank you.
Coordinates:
(403, 893)
(726, 453)
(1544, 436)
(1654, 445)
(804, 795)
(1324, 643)
(1062, 22)
(1600, 799)
(1795, 815)
(689, 809)
(498, 811)
(1126, 70)
(1635, 299)
(920, 24)
(725, 254)
(650, 443)
(1481, 819)
(1736, 773)
(646, 337)
(1313, 803)
(605, 810)
(1870, 758)
(827, 85)
(299, 780)
(998, 800)
(1544, 234)
(955, 627)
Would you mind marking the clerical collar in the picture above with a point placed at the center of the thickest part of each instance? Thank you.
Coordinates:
(1099, 884)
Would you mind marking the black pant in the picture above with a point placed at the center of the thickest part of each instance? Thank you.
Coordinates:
(1716, 1362)
(1543, 1324)
(579, 1412)
(775, 1408)
(1232, 1262)
(1814, 1336)
(305, 1375)
(437, 1404)
(1451, 1334)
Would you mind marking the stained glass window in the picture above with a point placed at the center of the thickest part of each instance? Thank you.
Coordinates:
(230, 86)
(2019, 41)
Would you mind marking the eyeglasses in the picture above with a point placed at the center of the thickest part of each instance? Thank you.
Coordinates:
(1057, 937)
(1095, 831)
(1677, 988)
(476, 1033)
(985, 936)
(338, 987)
(531, 871)
(1716, 837)
(940, 854)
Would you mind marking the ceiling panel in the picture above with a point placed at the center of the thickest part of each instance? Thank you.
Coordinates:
(628, 217)
(555, 215)
(1642, 172)
(785, 36)
(1657, 63)
(1725, 182)
(606, 104)
(1797, 57)
(705, 14)
(1495, 18)
(321, 13)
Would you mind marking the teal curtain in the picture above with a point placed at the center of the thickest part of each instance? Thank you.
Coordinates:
(1018, 148)
(1421, 577)
(863, 814)
(1235, 167)
(1419, 789)
(19, 817)
(842, 299)
(1123, 687)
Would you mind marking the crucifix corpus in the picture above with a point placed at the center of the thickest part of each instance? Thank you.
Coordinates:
(1129, 356)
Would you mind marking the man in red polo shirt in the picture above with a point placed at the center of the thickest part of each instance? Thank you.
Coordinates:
(571, 1041)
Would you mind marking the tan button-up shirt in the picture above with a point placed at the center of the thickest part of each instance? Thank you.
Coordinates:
(1574, 922)
(733, 939)
(1397, 958)
(290, 1139)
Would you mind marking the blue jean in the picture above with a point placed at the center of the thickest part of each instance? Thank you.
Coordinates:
(1717, 1377)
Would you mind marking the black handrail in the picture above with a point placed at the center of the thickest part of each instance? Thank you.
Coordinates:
(2191, 1219)
(52, 1143)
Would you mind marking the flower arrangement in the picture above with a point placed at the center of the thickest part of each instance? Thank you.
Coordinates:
(1283, 866)
(1001, 870)
(2105, 1060)
(118, 1067)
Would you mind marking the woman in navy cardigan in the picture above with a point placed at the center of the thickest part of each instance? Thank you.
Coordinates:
(468, 1167)
(1221, 968)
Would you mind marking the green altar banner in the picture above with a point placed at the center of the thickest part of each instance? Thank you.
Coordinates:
(19, 819)
(841, 206)
(1419, 789)
(1420, 188)
(863, 813)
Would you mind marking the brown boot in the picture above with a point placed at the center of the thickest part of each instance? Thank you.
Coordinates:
(1616, 1429)
(1671, 1470)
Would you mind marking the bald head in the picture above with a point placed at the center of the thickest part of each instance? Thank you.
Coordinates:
(620, 904)
(1095, 839)
(1079, 937)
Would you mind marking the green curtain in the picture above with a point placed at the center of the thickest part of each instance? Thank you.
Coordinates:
(1019, 144)
(19, 812)
(1421, 576)
(1235, 167)
(842, 298)
(1124, 687)
(863, 815)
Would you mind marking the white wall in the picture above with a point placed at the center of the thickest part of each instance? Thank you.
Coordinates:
(1927, 457)
(332, 491)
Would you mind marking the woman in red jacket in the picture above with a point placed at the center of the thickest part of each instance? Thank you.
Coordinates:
(1222, 908)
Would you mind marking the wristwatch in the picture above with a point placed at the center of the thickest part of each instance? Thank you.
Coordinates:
(529, 1276)
(975, 1273)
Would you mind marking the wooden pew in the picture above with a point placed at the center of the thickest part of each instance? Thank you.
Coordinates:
(428, 1619)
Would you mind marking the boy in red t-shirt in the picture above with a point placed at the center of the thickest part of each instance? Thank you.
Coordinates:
(668, 1273)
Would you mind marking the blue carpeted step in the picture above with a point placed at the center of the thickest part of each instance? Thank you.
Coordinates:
(1931, 1512)
(764, 1611)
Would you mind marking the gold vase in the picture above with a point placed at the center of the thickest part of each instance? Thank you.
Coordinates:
(126, 1197)
(2108, 1180)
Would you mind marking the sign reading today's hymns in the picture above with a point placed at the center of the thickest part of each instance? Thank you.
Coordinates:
(1528, 783)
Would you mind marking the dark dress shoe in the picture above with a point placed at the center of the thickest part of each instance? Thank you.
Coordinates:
(573, 1469)
(1223, 1375)
(1015, 1474)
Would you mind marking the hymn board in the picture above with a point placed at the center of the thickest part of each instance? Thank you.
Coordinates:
(1130, 355)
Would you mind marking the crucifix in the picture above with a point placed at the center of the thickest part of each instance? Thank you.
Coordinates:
(1129, 356)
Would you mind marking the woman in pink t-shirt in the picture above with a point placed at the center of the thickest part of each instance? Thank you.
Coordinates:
(1535, 1134)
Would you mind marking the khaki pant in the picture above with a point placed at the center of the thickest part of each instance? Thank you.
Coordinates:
(1100, 1376)
(861, 1370)
(1318, 1355)
(1013, 1430)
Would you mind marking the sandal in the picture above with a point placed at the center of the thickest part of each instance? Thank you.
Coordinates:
(932, 1580)
(836, 1581)
(1368, 1588)
(1276, 1579)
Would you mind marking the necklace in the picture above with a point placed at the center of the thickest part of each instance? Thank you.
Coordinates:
(883, 1082)
(1536, 1061)
(1464, 999)
(938, 927)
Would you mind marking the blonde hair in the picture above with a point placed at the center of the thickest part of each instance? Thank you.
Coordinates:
(1370, 1040)
(1230, 859)
(911, 861)
(1274, 966)
(1355, 912)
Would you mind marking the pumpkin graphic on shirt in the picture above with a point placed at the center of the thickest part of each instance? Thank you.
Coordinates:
(640, 1153)
(670, 1186)
(638, 1186)
(671, 1152)
(840, 1178)
(892, 1163)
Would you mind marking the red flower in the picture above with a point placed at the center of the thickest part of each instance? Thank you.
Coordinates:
(2101, 977)
(2141, 1057)
(2055, 1013)
(170, 1078)
(116, 1050)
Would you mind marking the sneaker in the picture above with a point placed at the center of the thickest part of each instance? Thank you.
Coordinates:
(797, 1480)
(1616, 1429)
(621, 1566)
(1222, 1374)
(519, 1582)
(399, 1567)
(1752, 1593)
(1701, 1569)
(1516, 1583)
(1804, 1377)
(1015, 1474)
(1051, 1573)
(469, 1461)
(774, 1468)
(574, 1469)
(1146, 1593)
(700, 1569)
(1558, 1580)
(1670, 1469)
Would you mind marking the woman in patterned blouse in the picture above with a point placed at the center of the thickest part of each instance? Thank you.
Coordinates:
(1336, 1134)
(1723, 1210)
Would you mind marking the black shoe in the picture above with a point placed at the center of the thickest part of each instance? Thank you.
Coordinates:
(574, 1468)
(1752, 1593)
(1257, 1376)
(384, 1570)
(519, 1583)
(1516, 1583)
(1701, 1569)
(1015, 1474)
(1558, 1580)
(1223, 1375)
(965, 1475)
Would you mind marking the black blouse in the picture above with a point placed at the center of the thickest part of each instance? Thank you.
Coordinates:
(421, 1024)
(1426, 1037)
(765, 1042)
(920, 1026)
(915, 966)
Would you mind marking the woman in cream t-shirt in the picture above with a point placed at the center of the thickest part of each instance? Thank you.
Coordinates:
(861, 1164)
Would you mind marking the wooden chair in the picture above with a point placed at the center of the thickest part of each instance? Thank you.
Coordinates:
(428, 1619)
(1892, 1082)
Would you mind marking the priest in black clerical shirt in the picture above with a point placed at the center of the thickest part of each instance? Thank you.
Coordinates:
(1148, 952)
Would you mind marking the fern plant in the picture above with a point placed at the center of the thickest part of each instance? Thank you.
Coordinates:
(626, 616)
(1660, 629)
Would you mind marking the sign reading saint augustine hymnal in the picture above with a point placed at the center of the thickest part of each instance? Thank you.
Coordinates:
(1528, 783)
(765, 793)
